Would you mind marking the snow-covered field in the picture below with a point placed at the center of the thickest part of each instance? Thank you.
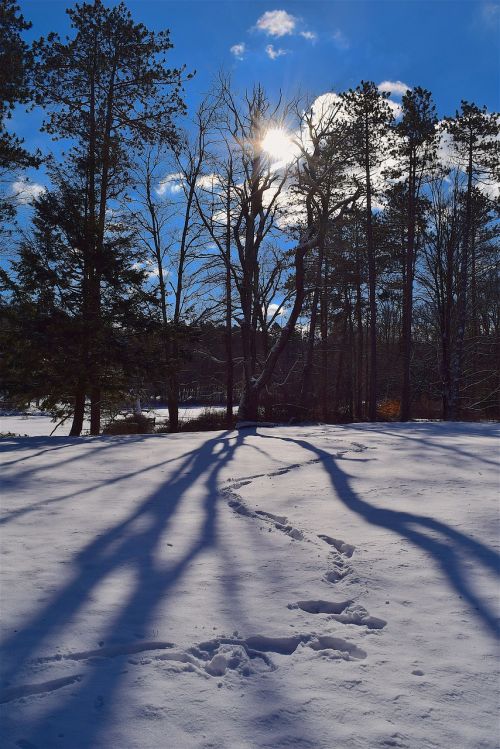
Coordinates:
(39, 425)
(286, 588)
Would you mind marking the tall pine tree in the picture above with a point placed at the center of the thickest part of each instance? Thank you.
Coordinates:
(415, 152)
(371, 117)
(474, 137)
(108, 90)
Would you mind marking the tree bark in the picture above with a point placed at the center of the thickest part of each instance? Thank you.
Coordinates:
(79, 411)
(323, 380)
(457, 356)
(358, 397)
(372, 282)
(305, 390)
(229, 332)
(409, 261)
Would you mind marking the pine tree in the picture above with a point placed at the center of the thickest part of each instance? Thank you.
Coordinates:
(474, 136)
(49, 335)
(108, 90)
(371, 117)
(14, 89)
(415, 153)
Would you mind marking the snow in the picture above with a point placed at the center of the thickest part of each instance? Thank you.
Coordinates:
(272, 588)
(39, 425)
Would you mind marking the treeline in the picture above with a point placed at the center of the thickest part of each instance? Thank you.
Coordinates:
(333, 259)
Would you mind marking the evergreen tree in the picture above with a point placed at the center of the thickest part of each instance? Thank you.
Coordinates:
(48, 333)
(371, 117)
(108, 90)
(474, 136)
(14, 89)
(440, 277)
(415, 152)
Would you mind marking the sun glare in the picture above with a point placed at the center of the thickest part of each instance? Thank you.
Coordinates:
(278, 145)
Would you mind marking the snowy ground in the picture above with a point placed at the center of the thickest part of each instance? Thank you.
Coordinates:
(40, 425)
(287, 588)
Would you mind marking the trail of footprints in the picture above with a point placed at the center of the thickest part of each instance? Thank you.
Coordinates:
(245, 656)
(345, 612)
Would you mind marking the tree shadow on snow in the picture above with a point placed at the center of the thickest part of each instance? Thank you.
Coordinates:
(451, 550)
(132, 546)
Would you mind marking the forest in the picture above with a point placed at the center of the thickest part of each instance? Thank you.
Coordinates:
(328, 257)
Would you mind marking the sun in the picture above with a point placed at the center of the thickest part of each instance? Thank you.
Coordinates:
(278, 145)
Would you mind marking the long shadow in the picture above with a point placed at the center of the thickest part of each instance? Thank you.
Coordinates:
(13, 445)
(37, 506)
(446, 552)
(430, 431)
(133, 545)
(121, 547)
(98, 444)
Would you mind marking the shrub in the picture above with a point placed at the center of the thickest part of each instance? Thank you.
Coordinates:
(209, 420)
(388, 409)
(136, 424)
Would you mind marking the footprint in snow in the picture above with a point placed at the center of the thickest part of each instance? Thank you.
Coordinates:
(341, 546)
(257, 646)
(345, 612)
(279, 522)
(338, 573)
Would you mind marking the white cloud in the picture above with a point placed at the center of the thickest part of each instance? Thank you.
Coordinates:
(171, 183)
(150, 268)
(277, 23)
(449, 158)
(273, 53)
(328, 106)
(276, 309)
(25, 192)
(340, 39)
(396, 88)
(238, 50)
(209, 181)
(396, 108)
(311, 36)
(491, 13)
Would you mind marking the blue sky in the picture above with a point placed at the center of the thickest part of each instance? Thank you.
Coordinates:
(450, 47)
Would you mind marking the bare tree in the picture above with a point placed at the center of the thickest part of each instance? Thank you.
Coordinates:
(258, 182)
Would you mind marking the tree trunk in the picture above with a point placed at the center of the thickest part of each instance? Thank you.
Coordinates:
(305, 389)
(173, 397)
(79, 411)
(253, 386)
(409, 261)
(323, 382)
(358, 397)
(340, 359)
(372, 282)
(248, 409)
(352, 353)
(95, 410)
(457, 356)
(229, 349)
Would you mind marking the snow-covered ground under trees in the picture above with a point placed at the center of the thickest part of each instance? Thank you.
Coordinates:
(287, 588)
(37, 424)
